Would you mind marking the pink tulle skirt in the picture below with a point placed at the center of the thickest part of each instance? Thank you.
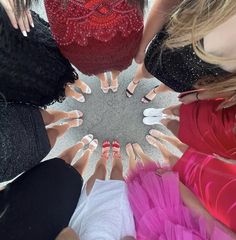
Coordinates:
(159, 211)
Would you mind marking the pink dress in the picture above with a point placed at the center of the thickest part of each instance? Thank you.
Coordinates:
(159, 211)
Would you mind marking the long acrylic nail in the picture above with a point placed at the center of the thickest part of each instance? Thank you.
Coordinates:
(32, 25)
(24, 33)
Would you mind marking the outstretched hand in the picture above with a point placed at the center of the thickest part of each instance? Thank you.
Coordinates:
(23, 21)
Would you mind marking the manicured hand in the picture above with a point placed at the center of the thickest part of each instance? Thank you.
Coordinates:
(23, 21)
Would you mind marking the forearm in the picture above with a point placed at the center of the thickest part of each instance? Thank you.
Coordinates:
(158, 16)
(197, 208)
(67, 234)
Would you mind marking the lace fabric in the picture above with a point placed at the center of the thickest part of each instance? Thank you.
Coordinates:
(32, 69)
(100, 19)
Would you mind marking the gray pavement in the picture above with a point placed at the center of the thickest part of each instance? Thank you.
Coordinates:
(112, 116)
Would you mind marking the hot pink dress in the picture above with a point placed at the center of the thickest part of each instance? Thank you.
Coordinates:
(213, 181)
(207, 130)
(159, 211)
(96, 35)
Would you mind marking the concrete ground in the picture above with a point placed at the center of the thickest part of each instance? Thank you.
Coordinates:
(112, 116)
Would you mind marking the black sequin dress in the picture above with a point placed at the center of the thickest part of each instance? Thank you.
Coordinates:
(179, 69)
(33, 74)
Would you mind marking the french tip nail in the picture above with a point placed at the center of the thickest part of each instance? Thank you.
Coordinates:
(32, 25)
(24, 33)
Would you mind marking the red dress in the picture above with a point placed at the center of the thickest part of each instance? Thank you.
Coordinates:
(207, 130)
(213, 181)
(96, 35)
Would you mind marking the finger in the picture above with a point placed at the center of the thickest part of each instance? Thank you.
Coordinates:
(12, 18)
(22, 26)
(26, 22)
(30, 19)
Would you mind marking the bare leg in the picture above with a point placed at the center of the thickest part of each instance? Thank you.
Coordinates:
(115, 80)
(140, 74)
(83, 86)
(152, 94)
(172, 110)
(59, 130)
(172, 125)
(144, 157)
(69, 92)
(100, 170)
(104, 82)
(169, 158)
(171, 139)
(82, 163)
(131, 155)
(117, 167)
(52, 116)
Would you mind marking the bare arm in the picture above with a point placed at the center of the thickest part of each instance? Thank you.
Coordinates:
(157, 17)
(195, 205)
(67, 234)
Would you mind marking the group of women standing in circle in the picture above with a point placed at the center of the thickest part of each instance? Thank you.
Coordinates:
(189, 45)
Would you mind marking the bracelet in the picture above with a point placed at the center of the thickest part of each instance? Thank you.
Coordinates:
(197, 96)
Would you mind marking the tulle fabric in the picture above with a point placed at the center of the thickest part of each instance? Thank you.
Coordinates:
(159, 211)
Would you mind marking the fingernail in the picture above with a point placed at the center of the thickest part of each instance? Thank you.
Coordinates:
(32, 25)
(24, 33)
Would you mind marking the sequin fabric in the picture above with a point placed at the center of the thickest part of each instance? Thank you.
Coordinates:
(179, 69)
(100, 19)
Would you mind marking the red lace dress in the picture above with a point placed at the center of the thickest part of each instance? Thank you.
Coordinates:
(96, 35)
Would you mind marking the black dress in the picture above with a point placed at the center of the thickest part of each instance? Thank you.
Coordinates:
(179, 69)
(33, 74)
(40, 203)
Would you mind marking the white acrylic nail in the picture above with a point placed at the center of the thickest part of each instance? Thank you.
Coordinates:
(24, 33)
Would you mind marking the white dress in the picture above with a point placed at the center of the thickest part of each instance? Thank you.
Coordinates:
(105, 213)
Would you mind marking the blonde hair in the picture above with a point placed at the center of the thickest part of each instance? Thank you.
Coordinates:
(190, 22)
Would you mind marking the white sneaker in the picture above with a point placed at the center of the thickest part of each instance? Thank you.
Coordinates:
(154, 112)
(153, 120)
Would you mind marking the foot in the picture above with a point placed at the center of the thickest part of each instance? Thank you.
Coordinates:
(130, 151)
(153, 120)
(106, 149)
(75, 123)
(154, 112)
(87, 139)
(149, 97)
(157, 134)
(75, 114)
(85, 88)
(131, 88)
(105, 86)
(93, 145)
(116, 149)
(114, 85)
(78, 97)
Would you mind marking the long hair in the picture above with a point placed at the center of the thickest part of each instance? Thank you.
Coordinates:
(190, 22)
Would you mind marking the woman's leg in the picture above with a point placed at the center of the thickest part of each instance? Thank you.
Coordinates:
(104, 82)
(52, 116)
(69, 92)
(140, 74)
(169, 158)
(172, 125)
(100, 170)
(171, 139)
(143, 156)
(115, 80)
(152, 94)
(131, 156)
(117, 167)
(83, 86)
(81, 164)
(59, 130)
(69, 154)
